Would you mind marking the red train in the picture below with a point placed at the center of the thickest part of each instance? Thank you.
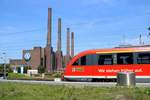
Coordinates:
(106, 63)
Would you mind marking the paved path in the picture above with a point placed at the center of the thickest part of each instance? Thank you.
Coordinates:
(96, 84)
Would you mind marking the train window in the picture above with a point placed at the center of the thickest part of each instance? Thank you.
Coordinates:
(76, 63)
(143, 58)
(105, 60)
(94, 59)
(114, 58)
(135, 56)
(83, 60)
(124, 58)
(87, 60)
(91, 59)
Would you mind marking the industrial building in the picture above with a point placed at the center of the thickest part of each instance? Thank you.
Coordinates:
(46, 56)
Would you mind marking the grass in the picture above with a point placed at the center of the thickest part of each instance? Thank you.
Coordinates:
(17, 76)
(20, 91)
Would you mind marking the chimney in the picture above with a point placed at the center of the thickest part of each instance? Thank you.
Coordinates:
(49, 27)
(48, 48)
(59, 35)
(68, 41)
(68, 46)
(59, 52)
(72, 44)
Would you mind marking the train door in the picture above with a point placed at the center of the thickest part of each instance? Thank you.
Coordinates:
(104, 64)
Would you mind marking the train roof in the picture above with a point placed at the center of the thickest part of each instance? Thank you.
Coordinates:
(118, 50)
(112, 50)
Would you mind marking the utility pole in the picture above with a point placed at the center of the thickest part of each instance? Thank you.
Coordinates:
(4, 54)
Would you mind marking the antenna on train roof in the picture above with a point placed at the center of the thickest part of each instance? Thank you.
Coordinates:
(140, 39)
(124, 43)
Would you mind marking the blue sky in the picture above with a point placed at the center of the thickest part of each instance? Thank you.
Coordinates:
(96, 23)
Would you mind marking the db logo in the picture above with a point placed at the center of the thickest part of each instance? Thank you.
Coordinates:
(79, 69)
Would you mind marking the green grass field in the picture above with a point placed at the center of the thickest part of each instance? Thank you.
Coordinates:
(19, 91)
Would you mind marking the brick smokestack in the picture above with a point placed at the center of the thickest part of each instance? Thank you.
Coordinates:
(68, 46)
(49, 27)
(59, 52)
(48, 48)
(59, 35)
(72, 44)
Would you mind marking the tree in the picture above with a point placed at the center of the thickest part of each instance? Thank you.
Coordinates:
(1, 68)
(8, 69)
(41, 69)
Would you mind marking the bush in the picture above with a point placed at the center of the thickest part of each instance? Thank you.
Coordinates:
(16, 76)
(41, 69)
(147, 91)
(57, 74)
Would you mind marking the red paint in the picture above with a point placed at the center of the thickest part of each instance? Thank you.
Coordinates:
(108, 70)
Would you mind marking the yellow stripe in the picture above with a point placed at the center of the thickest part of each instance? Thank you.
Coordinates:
(123, 51)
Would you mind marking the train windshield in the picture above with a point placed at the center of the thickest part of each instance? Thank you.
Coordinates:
(86, 60)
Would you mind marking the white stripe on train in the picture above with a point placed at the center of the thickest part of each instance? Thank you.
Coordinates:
(101, 76)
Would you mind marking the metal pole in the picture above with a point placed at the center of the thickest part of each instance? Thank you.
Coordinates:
(140, 39)
(4, 65)
(5, 71)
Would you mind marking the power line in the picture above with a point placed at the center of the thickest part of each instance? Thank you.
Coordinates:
(25, 31)
(74, 24)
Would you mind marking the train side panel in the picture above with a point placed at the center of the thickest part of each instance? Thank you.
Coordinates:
(107, 71)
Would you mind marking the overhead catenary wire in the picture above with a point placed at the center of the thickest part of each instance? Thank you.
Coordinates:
(13, 45)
